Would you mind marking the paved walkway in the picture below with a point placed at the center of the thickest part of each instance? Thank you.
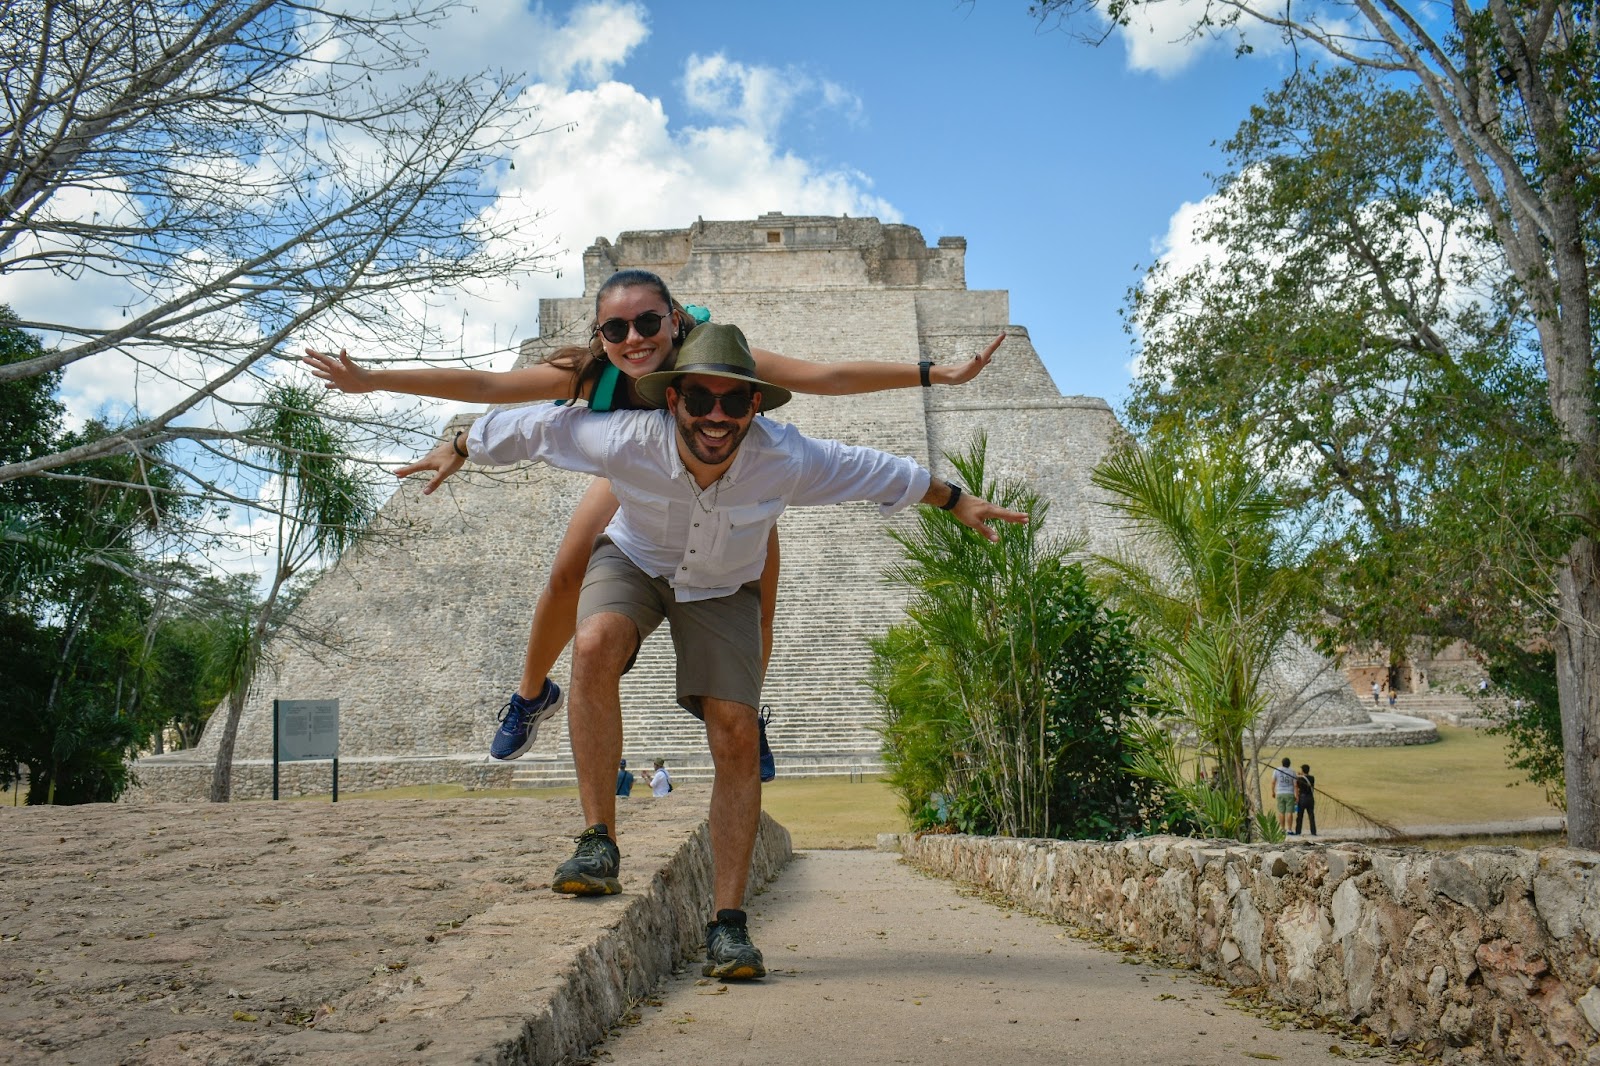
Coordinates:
(873, 962)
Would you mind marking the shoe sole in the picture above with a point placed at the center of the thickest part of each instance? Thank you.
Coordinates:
(539, 719)
(743, 971)
(584, 885)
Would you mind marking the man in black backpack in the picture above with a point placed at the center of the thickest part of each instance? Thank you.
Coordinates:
(1305, 799)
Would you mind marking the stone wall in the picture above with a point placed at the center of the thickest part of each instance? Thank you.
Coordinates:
(1481, 955)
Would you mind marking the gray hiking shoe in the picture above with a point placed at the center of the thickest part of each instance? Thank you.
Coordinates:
(592, 870)
(729, 954)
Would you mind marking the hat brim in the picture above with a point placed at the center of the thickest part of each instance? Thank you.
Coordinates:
(652, 388)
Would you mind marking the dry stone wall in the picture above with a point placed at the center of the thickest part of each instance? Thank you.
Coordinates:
(1480, 955)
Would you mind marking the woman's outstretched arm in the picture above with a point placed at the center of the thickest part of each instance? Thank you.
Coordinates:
(843, 379)
(541, 381)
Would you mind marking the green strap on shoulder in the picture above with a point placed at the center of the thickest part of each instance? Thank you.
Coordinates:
(605, 389)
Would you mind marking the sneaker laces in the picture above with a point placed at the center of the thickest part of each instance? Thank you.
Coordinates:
(736, 935)
(512, 714)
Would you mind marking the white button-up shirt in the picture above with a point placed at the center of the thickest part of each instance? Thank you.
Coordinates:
(706, 543)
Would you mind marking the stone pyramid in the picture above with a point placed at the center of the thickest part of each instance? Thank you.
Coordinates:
(433, 622)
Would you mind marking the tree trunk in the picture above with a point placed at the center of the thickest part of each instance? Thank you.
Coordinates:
(1578, 682)
(222, 772)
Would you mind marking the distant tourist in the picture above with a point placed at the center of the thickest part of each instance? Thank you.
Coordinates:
(660, 780)
(1305, 799)
(624, 779)
(1377, 691)
(1391, 699)
(1283, 788)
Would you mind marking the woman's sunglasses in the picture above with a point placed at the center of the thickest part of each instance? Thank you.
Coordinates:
(699, 402)
(615, 330)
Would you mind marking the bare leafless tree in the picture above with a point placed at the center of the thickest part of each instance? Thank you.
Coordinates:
(245, 172)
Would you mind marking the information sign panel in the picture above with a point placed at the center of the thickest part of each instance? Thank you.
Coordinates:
(308, 729)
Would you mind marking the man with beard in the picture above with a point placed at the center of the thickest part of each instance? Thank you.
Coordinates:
(700, 485)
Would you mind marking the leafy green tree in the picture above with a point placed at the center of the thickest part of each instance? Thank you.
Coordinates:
(1208, 575)
(1355, 314)
(1531, 721)
(189, 655)
(1514, 88)
(1006, 689)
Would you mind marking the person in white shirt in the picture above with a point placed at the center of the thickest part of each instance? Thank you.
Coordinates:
(700, 485)
(660, 781)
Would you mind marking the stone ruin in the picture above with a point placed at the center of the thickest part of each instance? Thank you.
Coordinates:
(433, 622)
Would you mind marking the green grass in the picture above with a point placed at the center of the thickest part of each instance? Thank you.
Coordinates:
(833, 812)
(1461, 779)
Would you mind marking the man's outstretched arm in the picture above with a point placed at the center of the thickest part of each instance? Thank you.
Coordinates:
(445, 459)
(970, 510)
(569, 438)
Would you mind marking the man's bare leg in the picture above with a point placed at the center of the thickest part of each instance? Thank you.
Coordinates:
(735, 797)
(735, 820)
(601, 650)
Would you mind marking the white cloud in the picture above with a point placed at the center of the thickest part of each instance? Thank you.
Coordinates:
(587, 47)
(759, 98)
(1159, 37)
(1182, 248)
(614, 159)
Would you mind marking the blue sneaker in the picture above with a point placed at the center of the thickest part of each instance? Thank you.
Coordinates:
(520, 720)
(769, 766)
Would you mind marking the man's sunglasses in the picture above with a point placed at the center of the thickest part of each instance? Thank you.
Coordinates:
(699, 402)
(615, 330)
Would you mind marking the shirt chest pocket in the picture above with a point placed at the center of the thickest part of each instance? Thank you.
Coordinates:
(744, 532)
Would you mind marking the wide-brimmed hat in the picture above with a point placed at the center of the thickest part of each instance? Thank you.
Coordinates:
(715, 350)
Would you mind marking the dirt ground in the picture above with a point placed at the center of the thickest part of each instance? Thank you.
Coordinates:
(260, 932)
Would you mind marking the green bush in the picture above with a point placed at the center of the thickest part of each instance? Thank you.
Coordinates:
(1006, 690)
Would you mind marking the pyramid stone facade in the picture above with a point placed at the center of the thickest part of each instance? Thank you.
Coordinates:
(432, 620)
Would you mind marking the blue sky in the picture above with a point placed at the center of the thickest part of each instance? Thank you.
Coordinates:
(1063, 165)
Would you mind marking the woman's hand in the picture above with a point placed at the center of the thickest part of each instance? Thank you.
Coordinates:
(961, 373)
(339, 372)
(443, 460)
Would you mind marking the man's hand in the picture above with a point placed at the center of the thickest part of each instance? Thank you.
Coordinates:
(961, 373)
(339, 372)
(443, 460)
(975, 512)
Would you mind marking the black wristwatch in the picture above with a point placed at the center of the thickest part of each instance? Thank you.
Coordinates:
(924, 366)
(955, 497)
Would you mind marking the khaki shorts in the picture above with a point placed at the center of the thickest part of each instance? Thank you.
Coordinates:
(1286, 803)
(718, 641)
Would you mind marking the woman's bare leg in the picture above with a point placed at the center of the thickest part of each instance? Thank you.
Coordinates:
(555, 614)
(769, 599)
